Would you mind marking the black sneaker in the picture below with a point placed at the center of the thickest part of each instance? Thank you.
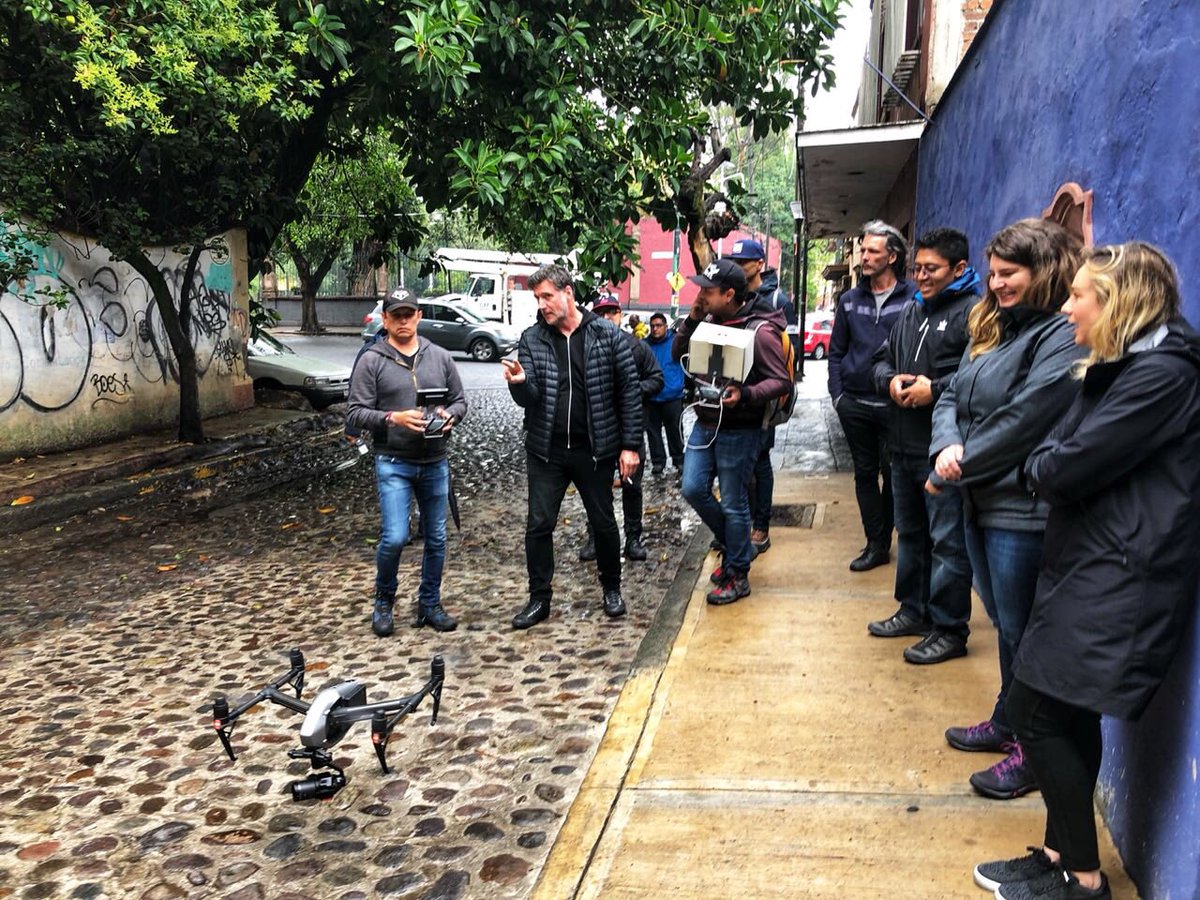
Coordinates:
(733, 587)
(588, 551)
(635, 550)
(1058, 886)
(937, 646)
(535, 611)
(382, 621)
(872, 557)
(614, 605)
(990, 875)
(985, 737)
(901, 624)
(1008, 779)
(435, 617)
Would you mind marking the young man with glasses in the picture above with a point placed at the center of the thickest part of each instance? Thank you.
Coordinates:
(913, 367)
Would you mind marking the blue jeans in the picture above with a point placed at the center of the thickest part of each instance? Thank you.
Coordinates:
(763, 489)
(1006, 570)
(399, 481)
(933, 571)
(727, 456)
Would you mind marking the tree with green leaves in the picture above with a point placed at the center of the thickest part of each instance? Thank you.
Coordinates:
(357, 199)
(142, 122)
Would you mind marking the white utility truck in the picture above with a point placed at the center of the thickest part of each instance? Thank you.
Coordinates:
(499, 287)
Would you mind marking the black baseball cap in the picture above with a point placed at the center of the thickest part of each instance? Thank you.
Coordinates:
(724, 274)
(401, 298)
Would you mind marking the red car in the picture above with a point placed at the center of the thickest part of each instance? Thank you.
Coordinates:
(816, 337)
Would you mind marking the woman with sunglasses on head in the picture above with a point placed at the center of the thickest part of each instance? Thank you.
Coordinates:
(1120, 567)
(1013, 384)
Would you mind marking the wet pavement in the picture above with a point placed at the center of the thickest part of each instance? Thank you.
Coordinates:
(119, 627)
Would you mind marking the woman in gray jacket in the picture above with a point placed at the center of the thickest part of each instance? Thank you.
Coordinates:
(1013, 384)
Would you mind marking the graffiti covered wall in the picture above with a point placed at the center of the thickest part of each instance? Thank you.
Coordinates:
(100, 366)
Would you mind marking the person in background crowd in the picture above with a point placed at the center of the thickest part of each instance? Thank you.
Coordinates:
(1013, 384)
(725, 441)
(864, 318)
(762, 283)
(576, 380)
(638, 328)
(409, 462)
(913, 368)
(650, 381)
(664, 410)
(1118, 579)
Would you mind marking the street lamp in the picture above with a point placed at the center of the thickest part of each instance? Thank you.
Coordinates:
(799, 279)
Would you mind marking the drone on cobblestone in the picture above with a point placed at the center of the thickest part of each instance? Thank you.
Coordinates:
(327, 720)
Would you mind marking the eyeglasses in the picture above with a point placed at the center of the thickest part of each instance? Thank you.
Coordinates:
(926, 269)
(658, 324)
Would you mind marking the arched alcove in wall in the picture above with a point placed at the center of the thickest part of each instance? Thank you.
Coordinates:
(1072, 208)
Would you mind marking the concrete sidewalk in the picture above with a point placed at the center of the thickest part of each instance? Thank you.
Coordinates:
(782, 752)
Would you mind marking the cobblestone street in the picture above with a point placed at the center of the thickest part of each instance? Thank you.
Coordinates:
(117, 630)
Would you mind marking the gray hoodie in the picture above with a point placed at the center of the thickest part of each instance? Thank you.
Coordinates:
(383, 382)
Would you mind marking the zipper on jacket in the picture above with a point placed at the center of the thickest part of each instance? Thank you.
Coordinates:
(570, 390)
(921, 342)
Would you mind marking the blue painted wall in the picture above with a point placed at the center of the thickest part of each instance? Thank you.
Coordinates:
(1105, 93)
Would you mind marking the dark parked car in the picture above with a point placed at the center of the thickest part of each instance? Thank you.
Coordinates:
(457, 328)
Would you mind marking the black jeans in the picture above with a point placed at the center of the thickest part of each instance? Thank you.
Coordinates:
(762, 487)
(548, 482)
(660, 416)
(1063, 746)
(933, 571)
(866, 433)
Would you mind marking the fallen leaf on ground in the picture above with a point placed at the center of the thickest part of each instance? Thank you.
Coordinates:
(166, 568)
(21, 501)
(325, 510)
(124, 518)
(147, 490)
(287, 525)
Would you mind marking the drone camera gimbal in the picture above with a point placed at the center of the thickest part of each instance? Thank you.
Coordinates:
(332, 713)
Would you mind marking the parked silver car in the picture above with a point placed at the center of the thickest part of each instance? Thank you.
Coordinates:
(273, 364)
(456, 327)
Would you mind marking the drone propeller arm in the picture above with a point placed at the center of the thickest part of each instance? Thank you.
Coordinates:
(223, 717)
(387, 714)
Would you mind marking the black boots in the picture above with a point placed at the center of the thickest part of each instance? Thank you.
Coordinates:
(634, 548)
(535, 611)
(382, 622)
(614, 605)
(435, 617)
(872, 557)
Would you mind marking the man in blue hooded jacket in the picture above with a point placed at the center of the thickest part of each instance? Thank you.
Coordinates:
(912, 368)
(664, 410)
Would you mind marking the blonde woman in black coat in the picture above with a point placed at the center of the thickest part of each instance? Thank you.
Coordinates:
(1119, 572)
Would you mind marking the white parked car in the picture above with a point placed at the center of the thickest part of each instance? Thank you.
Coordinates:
(273, 364)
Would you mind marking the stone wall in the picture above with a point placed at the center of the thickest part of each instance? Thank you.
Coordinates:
(1094, 93)
(101, 366)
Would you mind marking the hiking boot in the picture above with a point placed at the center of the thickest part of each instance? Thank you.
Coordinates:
(535, 611)
(1059, 885)
(635, 549)
(436, 618)
(1008, 779)
(718, 573)
(990, 875)
(872, 557)
(984, 737)
(937, 646)
(614, 606)
(901, 624)
(382, 622)
(760, 539)
(733, 587)
(588, 551)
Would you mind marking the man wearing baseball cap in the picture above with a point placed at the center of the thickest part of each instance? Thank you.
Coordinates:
(724, 443)
(411, 459)
(650, 380)
(764, 283)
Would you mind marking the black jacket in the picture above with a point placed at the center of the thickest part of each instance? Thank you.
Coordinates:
(859, 328)
(928, 339)
(614, 402)
(999, 406)
(776, 296)
(1121, 560)
(650, 373)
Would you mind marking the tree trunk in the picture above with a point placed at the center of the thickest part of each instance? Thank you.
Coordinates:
(362, 273)
(691, 197)
(191, 425)
(310, 282)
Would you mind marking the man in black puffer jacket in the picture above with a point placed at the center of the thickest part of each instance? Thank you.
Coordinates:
(575, 378)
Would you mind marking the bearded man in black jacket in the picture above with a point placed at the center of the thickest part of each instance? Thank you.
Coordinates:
(912, 368)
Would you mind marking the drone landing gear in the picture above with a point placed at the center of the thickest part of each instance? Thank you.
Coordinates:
(319, 785)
